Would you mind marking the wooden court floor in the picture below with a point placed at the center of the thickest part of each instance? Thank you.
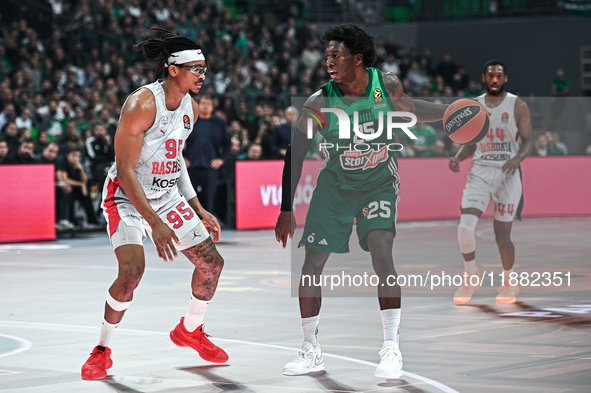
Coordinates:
(52, 296)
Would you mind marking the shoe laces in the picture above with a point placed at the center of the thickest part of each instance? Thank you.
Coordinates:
(304, 355)
(388, 355)
(96, 357)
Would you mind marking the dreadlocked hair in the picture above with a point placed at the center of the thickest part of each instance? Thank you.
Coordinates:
(160, 48)
(355, 39)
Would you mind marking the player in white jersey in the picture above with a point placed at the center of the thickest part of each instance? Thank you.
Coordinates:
(495, 175)
(149, 191)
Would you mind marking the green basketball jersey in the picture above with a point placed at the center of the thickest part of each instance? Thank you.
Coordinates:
(360, 164)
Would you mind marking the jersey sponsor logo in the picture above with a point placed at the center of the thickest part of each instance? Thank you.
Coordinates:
(186, 122)
(505, 117)
(495, 157)
(165, 167)
(495, 146)
(354, 159)
(158, 183)
(164, 121)
(377, 96)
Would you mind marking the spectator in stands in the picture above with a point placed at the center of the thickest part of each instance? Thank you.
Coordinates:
(71, 172)
(71, 139)
(472, 90)
(310, 56)
(282, 134)
(390, 65)
(49, 154)
(7, 115)
(100, 152)
(24, 120)
(560, 84)
(416, 78)
(24, 154)
(540, 146)
(41, 142)
(4, 151)
(206, 152)
(10, 135)
(50, 119)
(446, 68)
(555, 147)
(254, 153)
(424, 145)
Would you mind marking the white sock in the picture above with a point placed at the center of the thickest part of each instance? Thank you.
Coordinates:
(310, 327)
(195, 312)
(507, 275)
(391, 323)
(107, 331)
(470, 266)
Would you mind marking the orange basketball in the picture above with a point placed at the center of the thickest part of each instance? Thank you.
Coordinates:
(466, 121)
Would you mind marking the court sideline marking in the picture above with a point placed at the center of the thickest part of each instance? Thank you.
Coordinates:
(65, 327)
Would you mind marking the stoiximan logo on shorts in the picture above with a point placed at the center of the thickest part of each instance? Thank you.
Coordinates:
(361, 150)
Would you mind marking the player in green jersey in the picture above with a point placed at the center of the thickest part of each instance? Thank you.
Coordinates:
(358, 182)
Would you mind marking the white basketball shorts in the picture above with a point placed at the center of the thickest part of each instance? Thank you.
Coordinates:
(486, 183)
(124, 221)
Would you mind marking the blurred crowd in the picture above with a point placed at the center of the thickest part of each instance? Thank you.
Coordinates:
(67, 66)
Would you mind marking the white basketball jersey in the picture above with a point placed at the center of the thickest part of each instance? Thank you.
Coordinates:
(500, 143)
(158, 168)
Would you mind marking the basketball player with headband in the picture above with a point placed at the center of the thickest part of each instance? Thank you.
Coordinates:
(495, 175)
(148, 191)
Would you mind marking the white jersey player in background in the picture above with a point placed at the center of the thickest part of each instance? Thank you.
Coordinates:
(495, 175)
(148, 190)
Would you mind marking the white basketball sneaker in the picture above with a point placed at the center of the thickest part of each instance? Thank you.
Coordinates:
(390, 366)
(464, 293)
(309, 360)
(507, 294)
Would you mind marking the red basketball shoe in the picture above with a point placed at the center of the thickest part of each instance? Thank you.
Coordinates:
(98, 363)
(198, 341)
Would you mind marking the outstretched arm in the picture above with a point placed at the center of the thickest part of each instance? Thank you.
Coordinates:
(424, 110)
(292, 170)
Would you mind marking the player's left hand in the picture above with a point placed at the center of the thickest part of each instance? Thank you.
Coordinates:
(510, 166)
(285, 227)
(212, 225)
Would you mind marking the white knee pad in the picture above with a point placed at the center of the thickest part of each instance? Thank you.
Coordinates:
(466, 233)
(116, 304)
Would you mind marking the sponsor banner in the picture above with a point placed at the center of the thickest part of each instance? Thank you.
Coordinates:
(27, 203)
(553, 186)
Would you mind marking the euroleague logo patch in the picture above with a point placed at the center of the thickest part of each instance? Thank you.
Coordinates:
(377, 96)
(186, 122)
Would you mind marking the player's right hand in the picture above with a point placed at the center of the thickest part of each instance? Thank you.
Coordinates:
(285, 226)
(454, 164)
(164, 239)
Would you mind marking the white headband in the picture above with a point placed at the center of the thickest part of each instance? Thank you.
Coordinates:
(185, 56)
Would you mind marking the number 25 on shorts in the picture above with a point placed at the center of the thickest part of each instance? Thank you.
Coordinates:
(382, 209)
